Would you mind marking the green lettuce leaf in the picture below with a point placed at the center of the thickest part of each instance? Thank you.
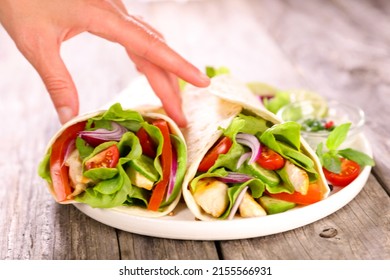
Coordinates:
(128, 118)
(246, 124)
(44, 167)
(107, 194)
(287, 133)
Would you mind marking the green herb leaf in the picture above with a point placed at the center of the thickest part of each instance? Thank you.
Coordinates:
(360, 158)
(331, 162)
(337, 136)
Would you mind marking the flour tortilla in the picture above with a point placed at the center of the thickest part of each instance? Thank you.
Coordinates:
(147, 111)
(215, 107)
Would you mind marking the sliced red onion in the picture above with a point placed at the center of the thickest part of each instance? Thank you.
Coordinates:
(235, 177)
(71, 147)
(243, 158)
(237, 203)
(101, 135)
(172, 178)
(252, 142)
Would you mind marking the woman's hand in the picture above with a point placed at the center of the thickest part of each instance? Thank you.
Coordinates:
(38, 28)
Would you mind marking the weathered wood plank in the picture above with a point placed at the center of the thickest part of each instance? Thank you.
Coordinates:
(362, 231)
(135, 246)
(338, 48)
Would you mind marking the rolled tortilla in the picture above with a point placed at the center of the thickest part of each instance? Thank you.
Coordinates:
(129, 185)
(210, 112)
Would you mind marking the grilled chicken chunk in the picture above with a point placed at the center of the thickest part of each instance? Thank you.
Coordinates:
(211, 195)
(250, 208)
(78, 181)
(139, 180)
(298, 177)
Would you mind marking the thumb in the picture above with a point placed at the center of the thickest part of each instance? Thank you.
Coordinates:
(57, 80)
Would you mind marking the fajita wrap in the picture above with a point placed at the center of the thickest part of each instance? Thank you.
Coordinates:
(131, 160)
(242, 160)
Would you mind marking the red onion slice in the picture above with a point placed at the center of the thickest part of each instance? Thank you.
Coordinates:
(243, 158)
(235, 177)
(252, 142)
(172, 178)
(237, 203)
(71, 147)
(101, 135)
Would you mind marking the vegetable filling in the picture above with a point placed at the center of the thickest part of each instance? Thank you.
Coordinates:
(117, 158)
(251, 161)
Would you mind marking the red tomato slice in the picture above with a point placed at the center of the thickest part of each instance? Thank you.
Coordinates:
(107, 158)
(148, 147)
(58, 170)
(349, 171)
(269, 159)
(166, 163)
(314, 194)
(222, 147)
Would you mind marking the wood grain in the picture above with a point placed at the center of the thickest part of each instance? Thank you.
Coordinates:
(337, 48)
(146, 248)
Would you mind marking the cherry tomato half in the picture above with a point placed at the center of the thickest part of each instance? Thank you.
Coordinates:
(314, 194)
(222, 147)
(269, 159)
(107, 158)
(148, 147)
(349, 171)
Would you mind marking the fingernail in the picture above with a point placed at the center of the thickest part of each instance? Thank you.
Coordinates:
(182, 122)
(65, 114)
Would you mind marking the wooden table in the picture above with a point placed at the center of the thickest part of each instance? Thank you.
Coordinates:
(339, 49)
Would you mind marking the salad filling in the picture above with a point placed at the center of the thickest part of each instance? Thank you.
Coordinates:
(117, 158)
(252, 161)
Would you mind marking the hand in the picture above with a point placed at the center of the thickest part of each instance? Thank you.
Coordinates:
(38, 28)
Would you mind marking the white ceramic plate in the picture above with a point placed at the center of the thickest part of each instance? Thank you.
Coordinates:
(182, 225)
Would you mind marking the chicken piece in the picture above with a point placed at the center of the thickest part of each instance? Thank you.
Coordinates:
(250, 208)
(211, 195)
(298, 177)
(78, 181)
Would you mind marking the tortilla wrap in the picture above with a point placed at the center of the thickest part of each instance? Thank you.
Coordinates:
(209, 111)
(148, 113)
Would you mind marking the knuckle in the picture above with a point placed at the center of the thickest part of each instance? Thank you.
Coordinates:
(56, 86)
